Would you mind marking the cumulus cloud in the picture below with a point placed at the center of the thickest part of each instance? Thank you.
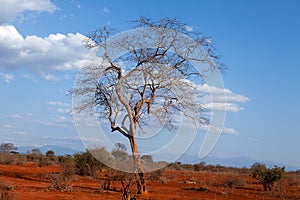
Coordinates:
(57, 52)
(221, 99)
(11, 9)
(7, 77)
(223, 106)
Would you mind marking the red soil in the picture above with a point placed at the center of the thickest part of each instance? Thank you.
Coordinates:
(28, 182)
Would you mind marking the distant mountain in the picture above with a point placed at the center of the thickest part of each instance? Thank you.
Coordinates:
(231, 162)
(58, 150)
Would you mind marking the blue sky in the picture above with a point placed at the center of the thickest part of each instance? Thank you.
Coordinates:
(40, 45)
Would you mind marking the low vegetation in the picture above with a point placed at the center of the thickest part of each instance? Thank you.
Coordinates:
(267, 176)
(66, 173)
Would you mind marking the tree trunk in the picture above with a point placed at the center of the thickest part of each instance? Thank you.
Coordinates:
(138, 167)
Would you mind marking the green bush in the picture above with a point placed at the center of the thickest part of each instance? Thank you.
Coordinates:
(267, 176)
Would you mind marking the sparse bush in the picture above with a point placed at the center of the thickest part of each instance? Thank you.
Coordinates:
(156, 175)
(45, 161)
(175, 166)
(199, 166)
(147, 158)
(233, 182)
(34, 155)
(6, 192)
(62, 159)
(7, 158)
(291, 180)
(119, 154)
(50, 153)
(61, 181)
(86, 164)
(129, 191)
(267, 176)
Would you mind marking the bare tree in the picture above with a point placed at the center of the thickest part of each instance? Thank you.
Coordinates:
(158, 82)
(7, 147)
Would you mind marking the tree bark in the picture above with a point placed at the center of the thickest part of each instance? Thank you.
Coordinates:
(138, 167)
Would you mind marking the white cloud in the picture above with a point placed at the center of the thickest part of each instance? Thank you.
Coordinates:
(223, 130)
(30, 114)
(76, 3)
(59, 121)
(223, 106)
(50, 77)
(62, 108)
(7, 77)
(29, 77)
(57, 52)
(57, 103)
(11, 9)
(106, 10)
(7, 126)
(230, 131)
(221, 99)
(20, 133)
(14, 116)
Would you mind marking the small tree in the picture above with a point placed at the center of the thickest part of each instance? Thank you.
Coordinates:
(120, 146)
(86, 164)
(50, 153)
(7, 147)
(119, 155)
(36, 151)
(147, 158)
(267, 176)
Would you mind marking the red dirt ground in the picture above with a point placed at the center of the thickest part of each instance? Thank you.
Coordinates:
(28, 182)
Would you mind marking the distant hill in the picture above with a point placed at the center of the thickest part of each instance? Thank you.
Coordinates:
(231, 162)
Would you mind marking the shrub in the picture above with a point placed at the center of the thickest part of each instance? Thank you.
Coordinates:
(6, 158)
(45, 161)
(147, 158)
(86, 164)
(50, 153)
(267, 176)
(199, 166)
(291, 180)
(6, 192)
(233, 182)
(119, 154)
(156, 175)
(61, 181)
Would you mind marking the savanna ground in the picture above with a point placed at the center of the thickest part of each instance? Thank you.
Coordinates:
(33, 180)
